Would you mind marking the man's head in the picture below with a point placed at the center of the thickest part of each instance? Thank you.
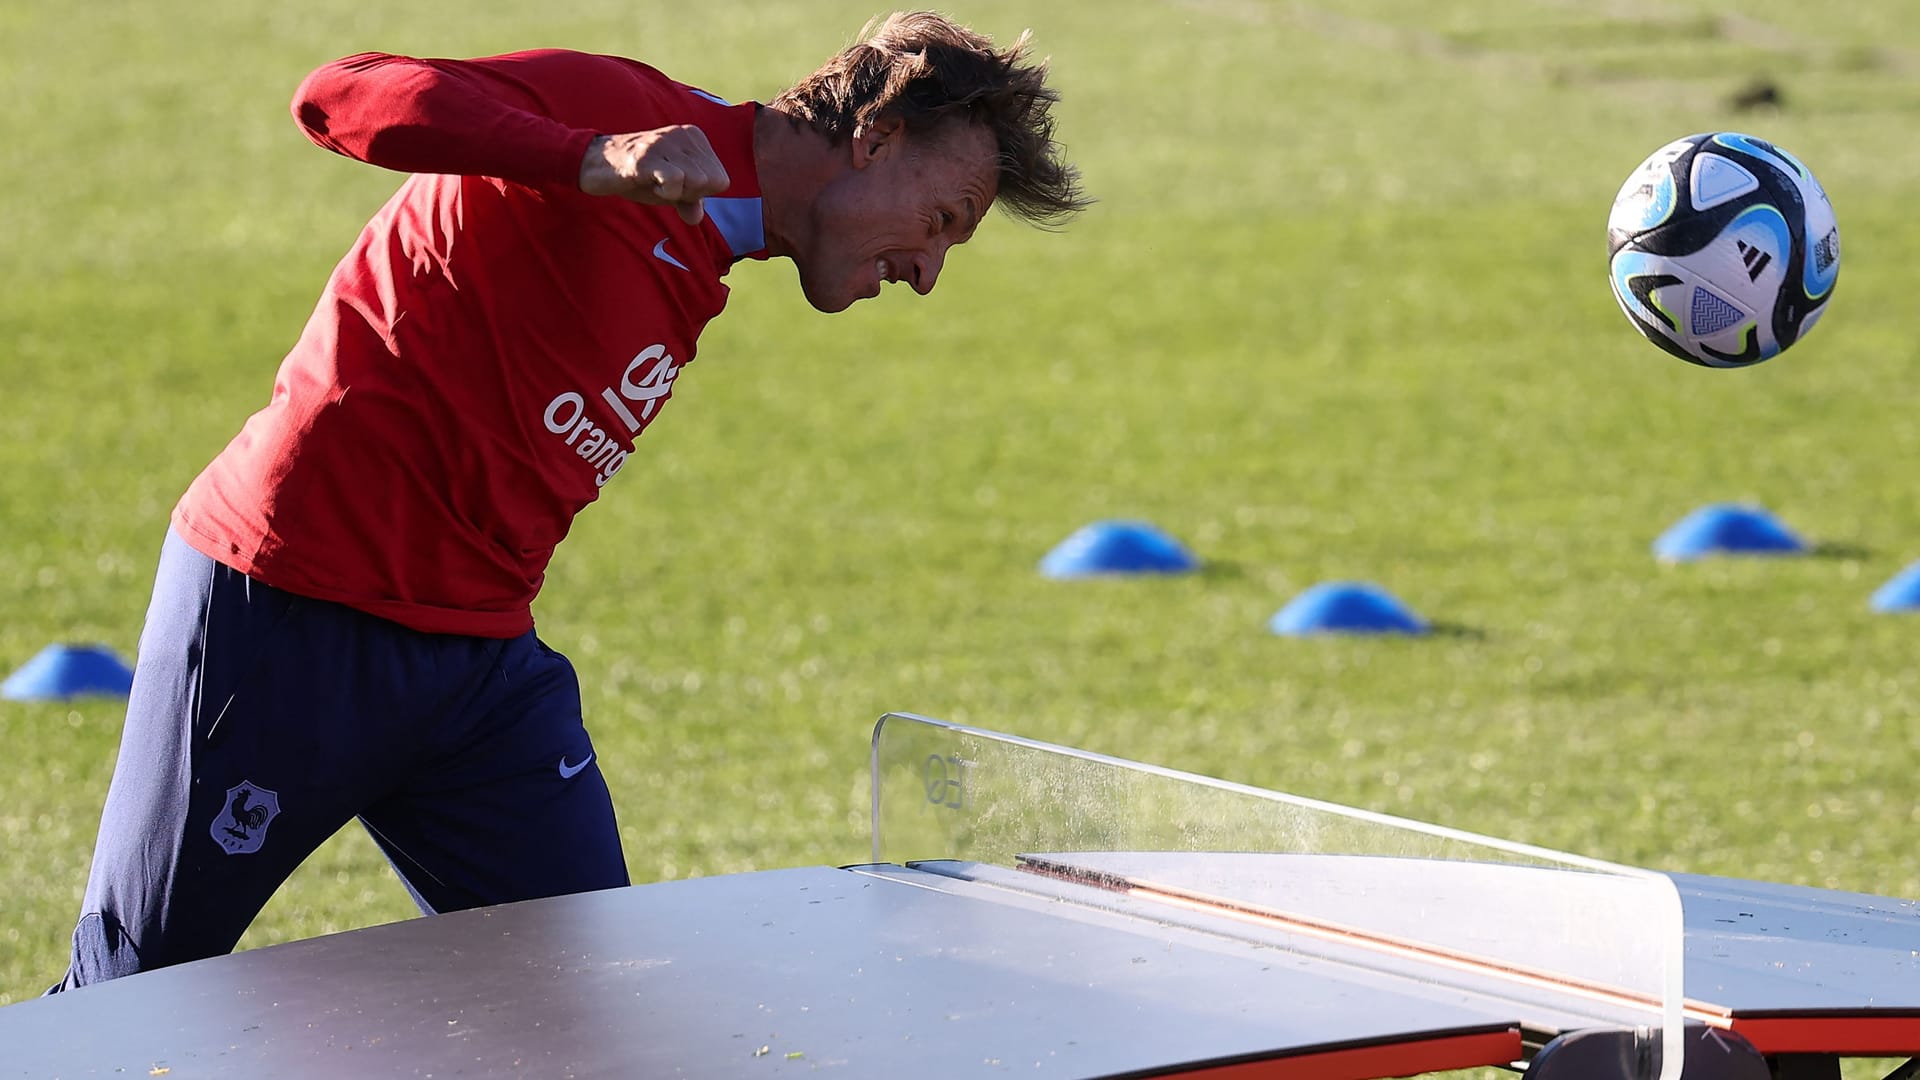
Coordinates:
(925, 124)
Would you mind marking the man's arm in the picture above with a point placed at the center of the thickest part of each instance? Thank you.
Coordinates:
(469, 118)
(489, 118)
(671, 165)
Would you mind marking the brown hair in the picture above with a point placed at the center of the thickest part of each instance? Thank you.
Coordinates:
(923, 68)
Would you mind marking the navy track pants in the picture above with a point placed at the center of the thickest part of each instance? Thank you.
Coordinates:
(261, 722)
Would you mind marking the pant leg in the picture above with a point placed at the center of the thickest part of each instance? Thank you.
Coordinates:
(191, 841)
(260, 723)
(513, 805)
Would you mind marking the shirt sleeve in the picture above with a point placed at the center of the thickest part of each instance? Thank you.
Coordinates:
(490, 117)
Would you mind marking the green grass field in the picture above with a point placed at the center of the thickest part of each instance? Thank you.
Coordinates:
(1342, 312)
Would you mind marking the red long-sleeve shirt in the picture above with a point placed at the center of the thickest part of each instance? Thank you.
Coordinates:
(485, 355)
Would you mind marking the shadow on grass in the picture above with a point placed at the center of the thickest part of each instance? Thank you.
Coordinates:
(1222, 570)
(1456, 631)
(1839, 551)
(1453, 631)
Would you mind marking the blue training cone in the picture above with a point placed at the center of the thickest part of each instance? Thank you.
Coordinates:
(1900, 593)
(1724, 529)
(58, 672)
(1117, 547)
(1346, 607)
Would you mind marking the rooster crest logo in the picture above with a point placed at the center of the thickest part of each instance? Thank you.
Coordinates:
(241, 827)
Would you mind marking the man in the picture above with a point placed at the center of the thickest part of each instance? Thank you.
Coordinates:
(341, 624)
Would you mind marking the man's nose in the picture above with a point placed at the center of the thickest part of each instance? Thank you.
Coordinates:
(927, 267)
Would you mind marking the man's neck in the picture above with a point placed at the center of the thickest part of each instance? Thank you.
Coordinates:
(794, 163)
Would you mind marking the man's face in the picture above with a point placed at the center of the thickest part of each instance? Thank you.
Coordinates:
(903, 201)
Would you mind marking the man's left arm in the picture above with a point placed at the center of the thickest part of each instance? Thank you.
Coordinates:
(492, 117)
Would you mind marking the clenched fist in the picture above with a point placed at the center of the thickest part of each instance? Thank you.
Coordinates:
(669, 166)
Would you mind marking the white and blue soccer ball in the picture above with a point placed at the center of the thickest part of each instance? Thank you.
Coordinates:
(1724, 249)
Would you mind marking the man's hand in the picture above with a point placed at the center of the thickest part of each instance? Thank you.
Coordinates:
(670, 166)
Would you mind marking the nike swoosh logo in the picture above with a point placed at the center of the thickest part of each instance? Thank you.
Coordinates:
(568, 772)
(660, 252)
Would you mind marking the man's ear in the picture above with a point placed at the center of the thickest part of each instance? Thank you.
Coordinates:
(881, 140)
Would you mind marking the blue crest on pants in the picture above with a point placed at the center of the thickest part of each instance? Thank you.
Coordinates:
(241, 826)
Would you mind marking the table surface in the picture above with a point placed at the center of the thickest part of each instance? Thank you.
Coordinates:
(897, 971)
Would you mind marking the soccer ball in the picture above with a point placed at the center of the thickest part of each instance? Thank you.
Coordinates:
(1724, 249)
